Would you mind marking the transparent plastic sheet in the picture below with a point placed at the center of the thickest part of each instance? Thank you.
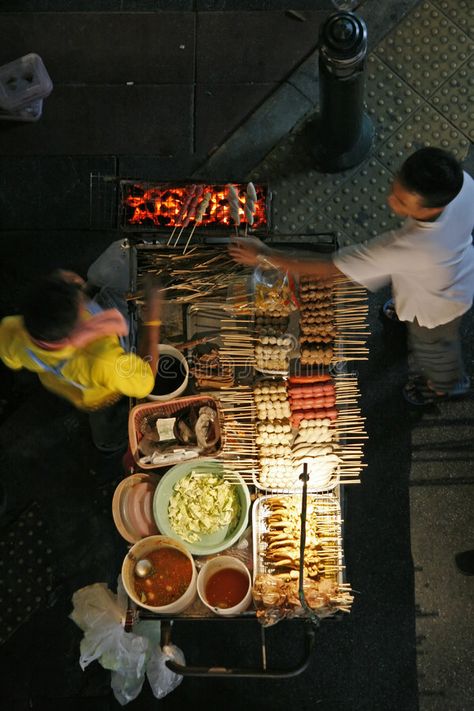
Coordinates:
(161, 679)
(99, 613)
(128, 655)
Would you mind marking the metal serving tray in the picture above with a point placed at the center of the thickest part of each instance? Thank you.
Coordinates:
(329, 502)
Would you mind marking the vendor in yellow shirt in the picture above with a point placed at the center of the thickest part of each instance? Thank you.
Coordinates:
(77, 349)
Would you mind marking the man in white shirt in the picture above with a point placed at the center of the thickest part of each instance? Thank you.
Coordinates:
(429, 262)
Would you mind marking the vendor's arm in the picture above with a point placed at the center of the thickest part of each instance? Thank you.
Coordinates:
(149, 333)
(252, 252)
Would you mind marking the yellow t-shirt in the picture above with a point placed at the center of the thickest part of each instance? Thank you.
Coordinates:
(93, 377)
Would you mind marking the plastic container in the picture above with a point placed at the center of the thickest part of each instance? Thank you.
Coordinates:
(166, 350)
(173, 409)
(132, 506)
(140, 551)
(23, 82)
(32, 112)
(209, 543)
(220, 563)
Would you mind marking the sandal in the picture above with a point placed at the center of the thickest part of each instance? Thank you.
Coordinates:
(418, 394)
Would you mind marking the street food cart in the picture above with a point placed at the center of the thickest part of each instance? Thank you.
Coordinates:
(268, 377)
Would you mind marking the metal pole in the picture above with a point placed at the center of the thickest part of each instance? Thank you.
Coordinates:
(342, 134)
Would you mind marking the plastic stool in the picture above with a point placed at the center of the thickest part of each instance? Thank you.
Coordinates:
(24, 83)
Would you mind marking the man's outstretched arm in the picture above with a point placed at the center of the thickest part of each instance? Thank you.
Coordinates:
(252, 252)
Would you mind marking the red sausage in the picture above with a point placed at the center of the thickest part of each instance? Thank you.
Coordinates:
(299, 379)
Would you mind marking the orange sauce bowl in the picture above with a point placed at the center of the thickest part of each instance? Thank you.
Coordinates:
(171, 587)
(224, 585)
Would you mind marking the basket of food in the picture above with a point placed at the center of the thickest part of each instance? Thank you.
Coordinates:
(165, 434)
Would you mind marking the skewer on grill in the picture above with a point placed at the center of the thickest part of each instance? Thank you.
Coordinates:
(182, 212)
(234, 204)
(199, 215)
(191, 212)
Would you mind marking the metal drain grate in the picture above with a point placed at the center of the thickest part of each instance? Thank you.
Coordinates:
(25, 571)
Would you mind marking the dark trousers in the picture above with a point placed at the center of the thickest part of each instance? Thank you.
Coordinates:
(436, 354)
(109, 426)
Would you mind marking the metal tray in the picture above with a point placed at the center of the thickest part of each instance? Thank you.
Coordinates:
(330, 501)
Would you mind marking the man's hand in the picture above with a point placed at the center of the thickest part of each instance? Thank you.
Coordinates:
(245, 250)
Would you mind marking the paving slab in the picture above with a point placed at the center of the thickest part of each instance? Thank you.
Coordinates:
(445, 598)
(106, 120)
(221, 107)
(50, 192)
(101, 48)
(247, 47)
(425, 49)
(178, 166)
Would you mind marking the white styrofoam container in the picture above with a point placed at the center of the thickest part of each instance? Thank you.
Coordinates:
(23, 82)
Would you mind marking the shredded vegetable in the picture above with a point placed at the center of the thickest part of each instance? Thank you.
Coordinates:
(202, 504)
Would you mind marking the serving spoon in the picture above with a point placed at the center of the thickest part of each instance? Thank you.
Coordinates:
(143, 568)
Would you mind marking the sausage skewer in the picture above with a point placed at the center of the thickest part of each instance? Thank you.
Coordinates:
(191, 211)
(199, 215)
(183, 211)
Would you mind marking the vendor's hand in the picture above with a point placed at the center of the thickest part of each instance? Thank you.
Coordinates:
(245, 250)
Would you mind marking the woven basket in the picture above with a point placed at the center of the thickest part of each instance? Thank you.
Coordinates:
(170, 409)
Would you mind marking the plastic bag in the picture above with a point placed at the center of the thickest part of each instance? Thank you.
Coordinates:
(274, 292)
(112, 267)
(162, 680)
(99, 613)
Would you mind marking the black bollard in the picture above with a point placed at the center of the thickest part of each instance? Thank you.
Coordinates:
(342, 134)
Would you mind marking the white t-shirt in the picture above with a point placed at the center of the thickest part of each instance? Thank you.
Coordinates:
(430, 264)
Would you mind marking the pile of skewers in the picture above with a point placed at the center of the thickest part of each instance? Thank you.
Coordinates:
(239, 454)
(311, 420)
(329, 428)
(202, 273)
(333, 321)
(274, 435)
(317, 324)
(276, 585)
(280, 541)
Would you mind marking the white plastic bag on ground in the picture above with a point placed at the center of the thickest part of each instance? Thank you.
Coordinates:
(162, 680)
(98, 612)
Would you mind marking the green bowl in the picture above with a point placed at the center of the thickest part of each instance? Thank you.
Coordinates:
(212, 542)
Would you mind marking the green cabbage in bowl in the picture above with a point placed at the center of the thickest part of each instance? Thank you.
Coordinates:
(201, 504)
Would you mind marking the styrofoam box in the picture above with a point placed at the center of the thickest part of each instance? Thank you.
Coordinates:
(23, 82)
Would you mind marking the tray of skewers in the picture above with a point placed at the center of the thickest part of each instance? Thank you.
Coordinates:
(276, 528)
(295, 425)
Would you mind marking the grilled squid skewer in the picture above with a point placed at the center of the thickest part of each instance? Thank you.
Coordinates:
(250, 201)
(234, 204)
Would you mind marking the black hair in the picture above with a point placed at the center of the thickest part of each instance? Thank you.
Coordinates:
(51, 308)
(434, 174)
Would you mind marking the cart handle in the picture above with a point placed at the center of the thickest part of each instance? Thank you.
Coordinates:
(235, 671)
